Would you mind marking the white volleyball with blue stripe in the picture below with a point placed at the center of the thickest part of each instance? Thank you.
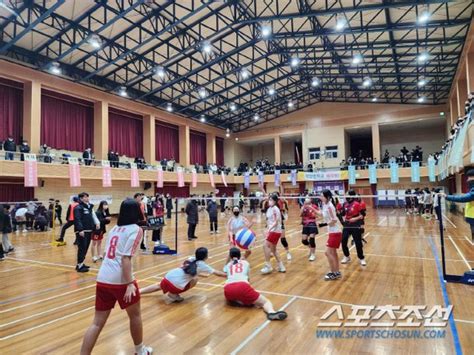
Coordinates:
(245, 238)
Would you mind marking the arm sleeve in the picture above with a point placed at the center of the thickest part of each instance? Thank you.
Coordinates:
(133, 241)
(461, 198)
(204, 268)
(94, 216)
(77, 219)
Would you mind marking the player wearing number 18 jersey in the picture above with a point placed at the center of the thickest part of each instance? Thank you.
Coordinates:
(115, 281)
(238, 291)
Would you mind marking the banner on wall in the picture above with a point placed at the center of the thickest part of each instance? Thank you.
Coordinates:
(415, 171)
(293, 178)
(432, 169)
(194, 180)
(352, 174)
(74, 172)
(134, 179)
(159, 178)
(323, 175)
(223, 179)
(106, 174)
(247, 180)
(277, 178)
(211, 179)
(30, 170)
(372, 174)
(180, 172)
(394, 173)
(260, 179)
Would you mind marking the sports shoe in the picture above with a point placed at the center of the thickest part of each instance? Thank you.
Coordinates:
(346, 259)
(288, 256)
(94, 259)
(175, 298)
(2, 257)
(281, 268)
(25, 230)
(338, 274)
(280, 315)
(146, 350)
(266, 270)
(11, 250)
(363, 262)
(83, 268)
(330, 276)
(312, 257)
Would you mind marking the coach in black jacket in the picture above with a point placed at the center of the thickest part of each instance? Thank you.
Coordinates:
(85, 222)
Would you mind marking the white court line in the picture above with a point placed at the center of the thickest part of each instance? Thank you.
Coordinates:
(459, 251)
(47, 263)
(364, 236)
(470, 241)
(446, 218)
(382, 221)
(259, 329)
(16, 268)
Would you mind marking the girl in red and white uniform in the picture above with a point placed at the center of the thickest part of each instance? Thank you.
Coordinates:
(308, 215)
(235, 224)
(238, 291)
(115, 281)
(335, 235)
(273, 234)
(183, 278)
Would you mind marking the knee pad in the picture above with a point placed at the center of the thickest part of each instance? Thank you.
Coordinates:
(284, 242)
(305, 242)
(312, 243)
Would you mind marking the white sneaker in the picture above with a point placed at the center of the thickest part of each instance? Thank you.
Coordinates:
(363, 262)
(266, 270)
(17, 231)
(288, 256)
(281, 268)
(346, 259)
(175, 298)
(94, 259)
(312, 257)
(25, 230)
(146, 350)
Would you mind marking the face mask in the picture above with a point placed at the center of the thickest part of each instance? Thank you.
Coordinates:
(236, 214)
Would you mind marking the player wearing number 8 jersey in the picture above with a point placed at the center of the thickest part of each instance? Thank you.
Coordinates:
(115, 281)
(238, 291)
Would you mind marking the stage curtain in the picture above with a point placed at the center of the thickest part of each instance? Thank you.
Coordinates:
(198, 147)
(66, 122)
(219, 151)
(166, 141)
(174, 191)
(15, 193)
(126, 133)
(11, 110)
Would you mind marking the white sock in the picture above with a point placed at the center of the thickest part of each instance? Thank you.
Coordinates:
(138, 348)
(80, 265)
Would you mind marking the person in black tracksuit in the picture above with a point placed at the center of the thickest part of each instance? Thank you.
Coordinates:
(169, 206)
(352, 227)
(85, 223)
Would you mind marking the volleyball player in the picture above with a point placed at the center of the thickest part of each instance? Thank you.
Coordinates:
(272, 235)
(352, 227)
(115, 281)
(236, 223)
(310, 229)
(184, 278)
(283, 206)
(238, 291)
(335, 235)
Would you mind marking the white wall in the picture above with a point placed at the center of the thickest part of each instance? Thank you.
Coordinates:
(263, 150)
(287, 152)
(326, 136)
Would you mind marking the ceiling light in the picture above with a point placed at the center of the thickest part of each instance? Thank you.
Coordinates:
(367, 82)
(314, 82)
(203, 118)
(169, 107)
(294, 62)
(55, 68)
(256, 117)
(202, 93)
(423, 57)
(357, 59)
(374, 99)
(228, 130)
(340, 24)
(422, 82)
(421, 99)
(123, 91)
(233, 107)
(290, 104)
(227, 135)
(95, 41)
(160, 72)
(266, 31)
(245, 74)
(271, 91)
(442, 113)
(236, 138)
(207, 47)
(424, 17)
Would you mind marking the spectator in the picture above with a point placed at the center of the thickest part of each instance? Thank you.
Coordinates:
(223, 202)
(10, 148)
(158, 212)
(212, 210)
(87, 156)
(192, 217)
(169, 206)
(20, 217)
(2, 218)
(6, 229)
(45, 153)
(69, 218)
(30, 214)
(24, 149)
(58, 211)
(103, 215)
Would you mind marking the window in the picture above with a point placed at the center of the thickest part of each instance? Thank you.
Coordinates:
(331, 152)
(314, 153)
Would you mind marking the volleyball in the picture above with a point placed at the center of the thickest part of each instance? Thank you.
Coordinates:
(245, 238)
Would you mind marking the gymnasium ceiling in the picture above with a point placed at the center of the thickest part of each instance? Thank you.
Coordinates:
(227, 61)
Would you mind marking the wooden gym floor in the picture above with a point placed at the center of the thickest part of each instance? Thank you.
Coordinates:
(45, 306)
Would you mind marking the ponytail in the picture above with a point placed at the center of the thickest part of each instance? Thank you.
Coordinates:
(190, 267)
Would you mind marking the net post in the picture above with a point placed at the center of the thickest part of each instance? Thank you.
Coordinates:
(441, 235)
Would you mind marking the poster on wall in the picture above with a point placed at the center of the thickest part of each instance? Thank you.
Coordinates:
(74, 172)
(106, 174)
(30, 171)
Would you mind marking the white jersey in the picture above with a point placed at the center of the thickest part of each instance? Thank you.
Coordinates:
(180, 279)
(122, 241)
(329, 215)
(236, 224)
(274, 215)
(238, 272)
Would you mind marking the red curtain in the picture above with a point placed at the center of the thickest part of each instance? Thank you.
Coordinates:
(198, 147)
(219, 151)
(66, 122)
(11, 110)
(167, 141)
(173, 190)
(15, 193)
(126, 133)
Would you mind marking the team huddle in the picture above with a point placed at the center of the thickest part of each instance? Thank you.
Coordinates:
(116, 282)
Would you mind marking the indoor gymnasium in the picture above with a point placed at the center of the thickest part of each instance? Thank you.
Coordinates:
(236, 177)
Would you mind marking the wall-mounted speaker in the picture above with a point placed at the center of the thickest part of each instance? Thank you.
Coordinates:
(147, 186)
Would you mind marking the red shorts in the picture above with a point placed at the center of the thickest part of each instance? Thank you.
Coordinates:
(166, 286)
(334, 240)
(273, 237)
(98, 236)
(107, 294)
(241, 292)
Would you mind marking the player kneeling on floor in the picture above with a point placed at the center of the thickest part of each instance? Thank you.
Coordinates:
(238, 291)
(183, 278)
